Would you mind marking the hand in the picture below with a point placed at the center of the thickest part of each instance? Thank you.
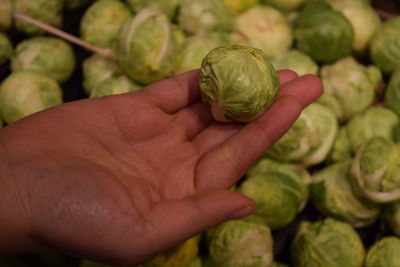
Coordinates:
(120, 178)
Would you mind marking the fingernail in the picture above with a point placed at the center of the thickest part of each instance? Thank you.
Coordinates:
(242, 213)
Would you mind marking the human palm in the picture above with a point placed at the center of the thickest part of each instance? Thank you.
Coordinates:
(120, 178)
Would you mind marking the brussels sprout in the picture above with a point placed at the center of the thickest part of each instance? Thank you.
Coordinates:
(148, 49)
(180, 256)
(332, 194)
(197, 47)
(392, 94)
(341, 149)
(391, 216)
(227, 83)
(328, 243)
(169, 7)
(115, 86)
(385, 46)
(297, 61)
(50, 12)
(278, 264)
(384, 253)
(26, 92)
(240, 243)
(278, 196)
(309, 140)
(198, 16)
(6, 8)
(51, 56)
(323, 33)
(267, 29)
(363, 18)
(349, 87)
(237, 6)
(6, 49)
(375, 170)
(102, 23)
(285, 5)
(75, 4)
(97, 69)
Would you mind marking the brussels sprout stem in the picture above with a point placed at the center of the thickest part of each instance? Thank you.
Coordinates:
(64, 35)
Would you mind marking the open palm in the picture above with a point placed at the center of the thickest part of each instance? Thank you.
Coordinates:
(121, 178)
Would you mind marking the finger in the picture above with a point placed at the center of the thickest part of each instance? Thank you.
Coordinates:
(286, 76)
(175, 93)
(223, 166)
(306, 88)
(194, 118)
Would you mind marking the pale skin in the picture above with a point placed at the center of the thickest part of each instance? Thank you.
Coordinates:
(121, 178)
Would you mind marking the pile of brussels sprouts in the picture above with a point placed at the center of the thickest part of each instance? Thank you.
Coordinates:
(327, 193)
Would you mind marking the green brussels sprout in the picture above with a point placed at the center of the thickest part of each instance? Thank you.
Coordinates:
(375, 170)
(278, 264)
(297, 61)
(309, 140)
(363, 18)
(392, 93)
(240, 243)
(385, 46)
(384, 253)
(6, 48)
(148, 50)
(391, 216)
(323, 33)
(197, 47)
(6, 8)
(296, 172)
(97, 69)
(349, 87)
(102, 23)
(169, 7)
(232, 94)
(75, 4)
(285, 5)
(332, 194)
(26, 92)
(341, 149)
(50, 56)
(197, 16)
(237, 6)
(328, 243)
(278, 196)
(115, 86)
(50, 12)
(267, 29)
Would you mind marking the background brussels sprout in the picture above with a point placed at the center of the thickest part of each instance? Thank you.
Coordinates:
(197, 47)
(384, 253)
(267, 29)
(198, 16)
(102, 23)
(297, 61)
(237, 6)
(363, 18)
(309, 140)
(392, 93)
(51, 56)
(6, 8)
(328, 243)
(50, 12)
(240, 243)
(148, 49)
(391, 216)
(278, 264)
(385, 46)
(349, 87)
(279, 198)
(332, 194)
(341, 149)
(375, 170)
(6, 49)
(169, 7)
(75, 4)
(115, 86)
(285, 5)
(26, 92)
(227, 83)
(323, 33)
(97, 69)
